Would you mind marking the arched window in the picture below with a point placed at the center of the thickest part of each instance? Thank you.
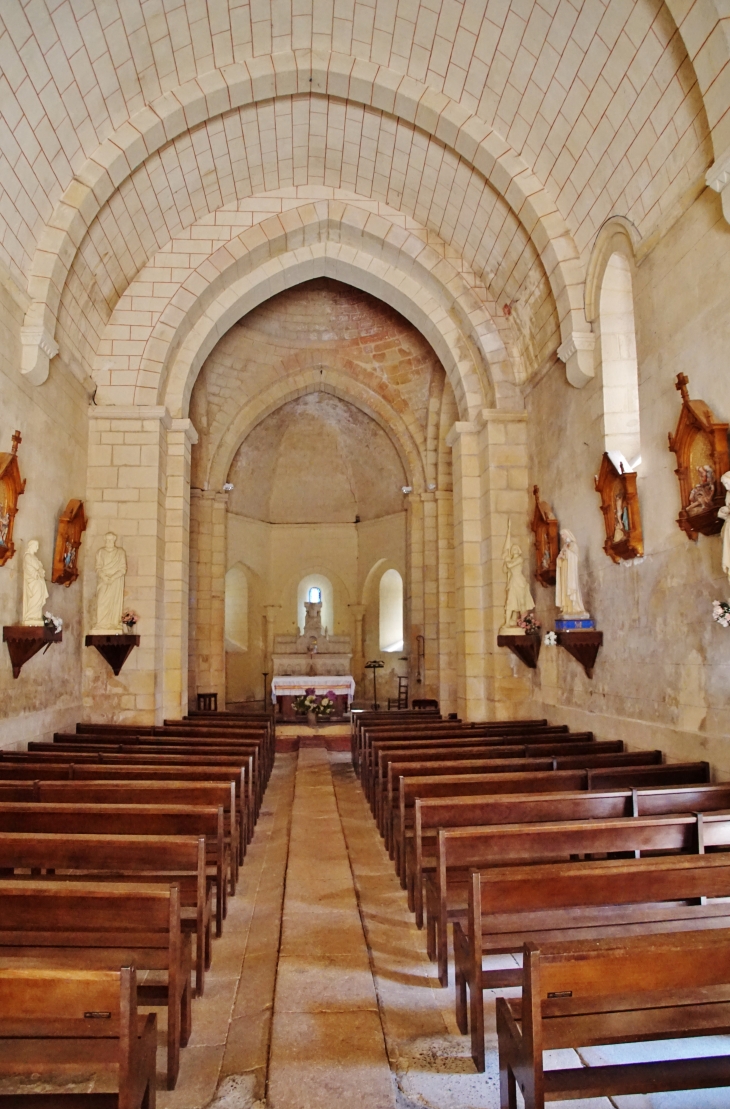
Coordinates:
(236, 609)
(391, 611)
(307, 591)
(618, 358)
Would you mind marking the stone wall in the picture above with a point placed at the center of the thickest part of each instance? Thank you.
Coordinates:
(662, 676)
(52, 457)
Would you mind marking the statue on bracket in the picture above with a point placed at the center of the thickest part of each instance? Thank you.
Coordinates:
(700, 444)
(620, 507)
(545, 528)
(111, 567)
(568, 597)
(724, 515)
(35, 590)
(11, 486)
(518, 599)
(71, 527)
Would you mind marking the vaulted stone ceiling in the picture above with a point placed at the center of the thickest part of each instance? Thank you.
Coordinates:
(503, 133)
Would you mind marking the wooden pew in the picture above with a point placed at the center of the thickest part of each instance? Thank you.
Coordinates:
(76, 1022)
(167, 859)
(82, 818)
(430, 814)
(141, 756)
(555, 781)
(476, 749)
(183, 731)
(459, 850)
(86, 926)
(447, 730)
(137, 774)
(398, 770)
(514, 905)
(625, 990)
(380, 747)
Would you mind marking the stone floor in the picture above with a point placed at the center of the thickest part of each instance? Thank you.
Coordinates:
(320, 994)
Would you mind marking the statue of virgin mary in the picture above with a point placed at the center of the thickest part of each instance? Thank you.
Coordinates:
(567, 585)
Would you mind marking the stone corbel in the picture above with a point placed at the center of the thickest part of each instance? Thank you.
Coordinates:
(718, 178)
(577, 353)
(39, 347)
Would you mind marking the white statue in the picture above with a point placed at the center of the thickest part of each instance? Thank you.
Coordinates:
(724, 514)
(111, 566)
(518, 599)
(567, 585)
(35, 590)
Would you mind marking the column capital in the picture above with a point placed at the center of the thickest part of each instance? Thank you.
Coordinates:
(186, 427)
(358, 611)
(459, 430)
(500, 416)
(132, 412)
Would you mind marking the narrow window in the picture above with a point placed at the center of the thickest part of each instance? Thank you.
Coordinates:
(618, 357)
(391, 611)
(315, 595)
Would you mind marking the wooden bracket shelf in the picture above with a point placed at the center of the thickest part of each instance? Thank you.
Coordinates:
(24, 642)
(114, 649)
(583, 646)
(526, 647)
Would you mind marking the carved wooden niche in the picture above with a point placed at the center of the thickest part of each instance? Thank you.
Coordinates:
(700, 444)
(620, 508)
(11, 486)
(547, 542)
(71, 527)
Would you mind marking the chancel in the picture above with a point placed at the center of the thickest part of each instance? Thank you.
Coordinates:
(364, 554)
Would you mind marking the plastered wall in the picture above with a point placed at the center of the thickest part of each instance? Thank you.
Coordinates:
(662, 678)
(52, 421)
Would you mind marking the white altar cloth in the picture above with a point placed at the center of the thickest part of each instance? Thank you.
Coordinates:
(293, 685)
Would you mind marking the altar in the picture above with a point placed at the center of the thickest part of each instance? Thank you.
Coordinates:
(286, 687)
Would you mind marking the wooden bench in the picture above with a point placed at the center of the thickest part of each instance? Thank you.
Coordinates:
(626, 990)
(82, 818)
(486, 765)
(76, 1022)
(430, 814)
(121, 756)
(178, 860)
(476, 749)
(138, 774)
(86, 926)
(460, 850)
(555, 781)
(445, 730)
(383, 750)
(514, 905)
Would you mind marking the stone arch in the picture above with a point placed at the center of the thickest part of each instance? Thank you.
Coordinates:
(184, 336)
(264, 78)
(617, 236)
(313, 380)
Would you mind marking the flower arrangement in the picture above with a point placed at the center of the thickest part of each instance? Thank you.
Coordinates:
(551, 639)
(129, 619)
(721, 613)
(530, 623)
(51, 621)
(308, 701)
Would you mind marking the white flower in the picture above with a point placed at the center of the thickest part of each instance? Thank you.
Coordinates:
(551, 639)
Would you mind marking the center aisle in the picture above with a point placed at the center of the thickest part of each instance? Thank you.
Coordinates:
(327, 1044)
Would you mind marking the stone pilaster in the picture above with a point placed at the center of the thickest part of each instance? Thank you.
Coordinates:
(445, 599)
(126, 494)
(470, 675)
(504, 497)
(180, 439)
(358, 656)
(208, 536)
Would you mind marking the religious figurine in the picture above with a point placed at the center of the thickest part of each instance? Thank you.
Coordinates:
(567, 585)
(35, 590)
(313, 619)
(700, 496)
(724, 514)
(518, 598)
(111, 566)
(621, 518)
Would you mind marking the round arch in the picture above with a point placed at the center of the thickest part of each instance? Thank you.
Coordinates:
(264, 78)
(314, 380)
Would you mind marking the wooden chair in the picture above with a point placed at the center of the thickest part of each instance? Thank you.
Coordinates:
(76, 1022)
(623, 990)
(207, 702)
